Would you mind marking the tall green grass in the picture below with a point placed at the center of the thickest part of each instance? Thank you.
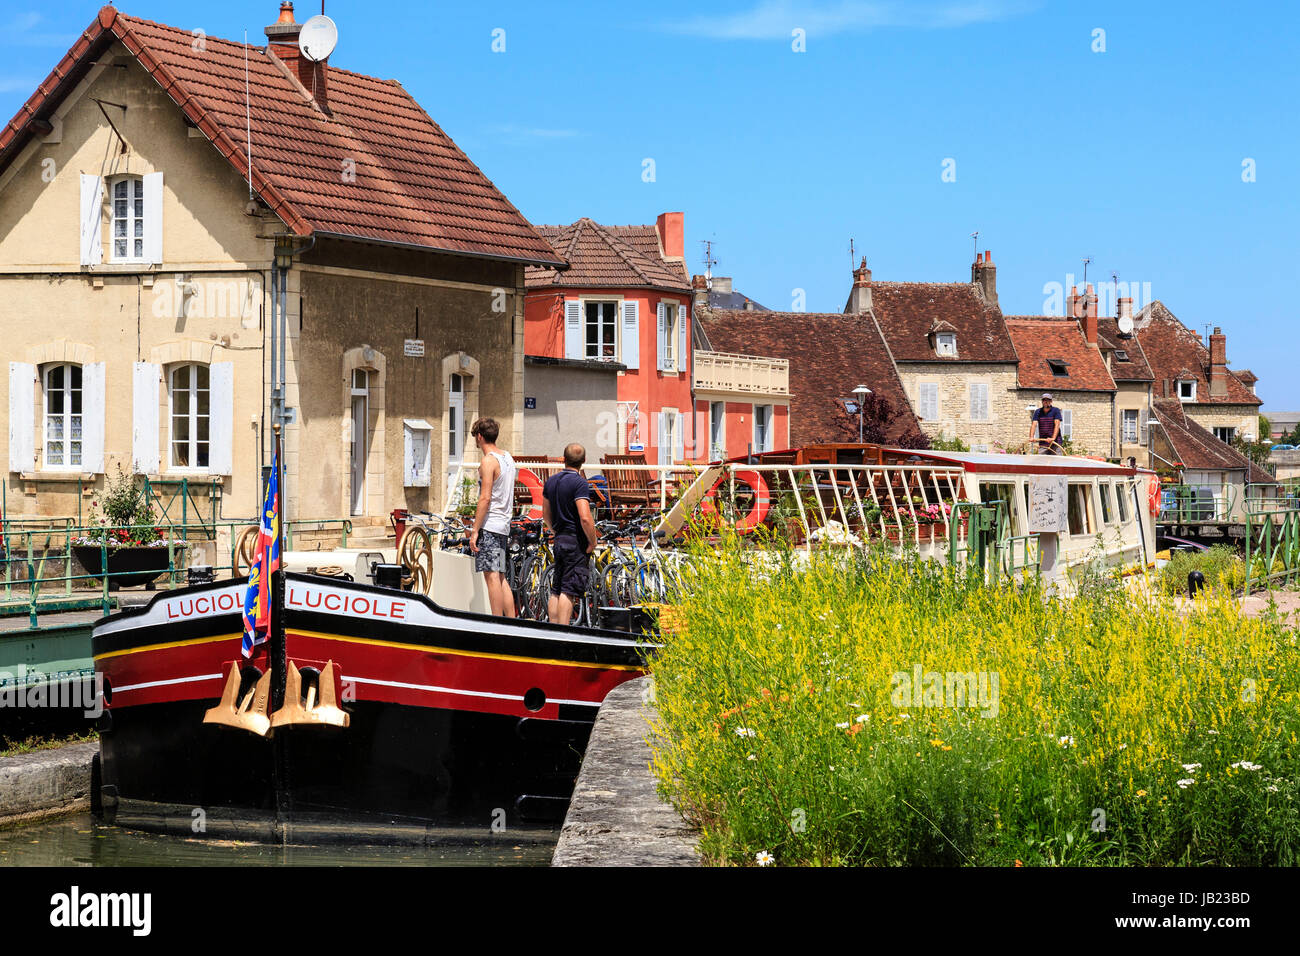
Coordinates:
(1124, 733)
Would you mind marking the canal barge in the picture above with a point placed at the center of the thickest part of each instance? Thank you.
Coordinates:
(370, 714)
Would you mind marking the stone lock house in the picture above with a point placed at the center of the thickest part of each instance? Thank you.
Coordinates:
(156, 213)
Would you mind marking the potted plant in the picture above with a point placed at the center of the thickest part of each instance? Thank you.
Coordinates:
(124, 542)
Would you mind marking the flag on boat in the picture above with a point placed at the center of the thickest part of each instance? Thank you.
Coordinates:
(266, 561)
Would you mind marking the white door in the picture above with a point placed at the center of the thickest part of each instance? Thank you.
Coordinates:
(455, 434)
(360, 438)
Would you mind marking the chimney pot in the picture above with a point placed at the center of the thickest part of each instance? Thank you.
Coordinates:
(671, 227)
(286, 12)
(979, 258)
(988, 258)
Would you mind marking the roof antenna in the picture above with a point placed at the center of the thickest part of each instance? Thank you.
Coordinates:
(975, 239)
(709, 263)
(852, 255)
(1086, 260)
(248, 122)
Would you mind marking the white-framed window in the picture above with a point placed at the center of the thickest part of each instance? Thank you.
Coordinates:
(945, 344)
(717, 431)
(671, 437)
(600, 331)
(1225, 433)
(1187, 390)
(671, 335)
(979, 401)
(762, 428)
(63, 417)
(189, 403)
(417, 441)
(455, 416)
(928, 404)
(1129, 426)
(127, 219)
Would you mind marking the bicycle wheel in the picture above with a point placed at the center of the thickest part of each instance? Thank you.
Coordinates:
(539, 592)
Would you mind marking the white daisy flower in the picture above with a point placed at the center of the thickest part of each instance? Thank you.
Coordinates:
(862, 718)
(1065, 741)
(751, 757)
(1184, 784)
(745, 732)
(1189, 767)
(764, 858)
(843, 726)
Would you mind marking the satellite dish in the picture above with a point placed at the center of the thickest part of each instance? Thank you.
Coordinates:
(318, 38)
(1125, 323)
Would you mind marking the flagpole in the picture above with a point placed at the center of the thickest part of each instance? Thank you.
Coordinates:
(278, 661)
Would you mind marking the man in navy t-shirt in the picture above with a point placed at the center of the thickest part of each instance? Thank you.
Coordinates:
(1045, 428)
(566, 509)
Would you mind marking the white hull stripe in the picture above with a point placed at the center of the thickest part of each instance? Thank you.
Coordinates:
(164, 683)
(465, 693)
(367, 680)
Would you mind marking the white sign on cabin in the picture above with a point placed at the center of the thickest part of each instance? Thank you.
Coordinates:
(1047, 504)
(413, 348)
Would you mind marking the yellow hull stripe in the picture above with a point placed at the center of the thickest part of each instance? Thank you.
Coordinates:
(170, 644)
(458, 653)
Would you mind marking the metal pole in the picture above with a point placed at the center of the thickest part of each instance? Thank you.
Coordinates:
(859, 421)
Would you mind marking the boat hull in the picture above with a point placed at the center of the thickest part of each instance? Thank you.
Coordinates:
(456, 722)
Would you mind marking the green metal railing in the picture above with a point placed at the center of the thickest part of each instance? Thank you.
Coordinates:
(1272, 536)
(184, 501)
(989, 542)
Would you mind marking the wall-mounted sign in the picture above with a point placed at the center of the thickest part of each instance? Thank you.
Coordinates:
(635, 446)
(530, 401)
(413, 348)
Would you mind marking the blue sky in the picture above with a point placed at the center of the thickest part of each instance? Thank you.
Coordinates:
(1132, 156)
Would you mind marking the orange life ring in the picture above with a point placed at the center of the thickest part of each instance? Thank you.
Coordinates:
(762, 500)
(534, 486)
(1153, 494)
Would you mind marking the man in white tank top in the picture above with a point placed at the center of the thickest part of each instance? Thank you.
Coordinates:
(490, 538)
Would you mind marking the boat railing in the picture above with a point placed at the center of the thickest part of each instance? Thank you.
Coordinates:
(1196, 503)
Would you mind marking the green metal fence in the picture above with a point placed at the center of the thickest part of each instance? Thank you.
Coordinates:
(1272, 516)
(1187, 504)
(989, 542)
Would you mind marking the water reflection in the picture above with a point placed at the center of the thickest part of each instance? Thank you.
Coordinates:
(80, 840)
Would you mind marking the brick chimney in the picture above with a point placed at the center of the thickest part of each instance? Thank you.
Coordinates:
(985, 274)
(282, 43)
(671, 227)
(860, 297)
(722, 285)
(1124, 308)
(1218, 364)
(699, 293)
(1089, 317)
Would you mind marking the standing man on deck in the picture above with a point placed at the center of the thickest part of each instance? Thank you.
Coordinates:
(1045, 428)
(490, 538)
(566, 509)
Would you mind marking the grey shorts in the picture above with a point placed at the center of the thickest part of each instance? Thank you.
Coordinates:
(492, 551)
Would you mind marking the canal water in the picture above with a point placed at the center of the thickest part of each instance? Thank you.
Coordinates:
(81, 840)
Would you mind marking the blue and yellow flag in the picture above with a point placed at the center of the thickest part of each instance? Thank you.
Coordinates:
(257, 599)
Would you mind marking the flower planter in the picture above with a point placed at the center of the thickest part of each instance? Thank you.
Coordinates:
(127, 567)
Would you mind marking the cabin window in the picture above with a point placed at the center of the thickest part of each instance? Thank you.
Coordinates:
(1079, 512)
(1107, 508)
(1122, 491)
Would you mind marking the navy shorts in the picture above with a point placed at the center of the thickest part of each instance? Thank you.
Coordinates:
(571, 567)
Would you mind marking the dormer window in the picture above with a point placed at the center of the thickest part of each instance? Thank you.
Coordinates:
(1059, 367)
(1121, 355)
(1187, 390)
(945, 344)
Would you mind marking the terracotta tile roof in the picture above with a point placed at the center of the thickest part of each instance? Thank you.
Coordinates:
(1134, 368)
(609, 257)
(412, 186)
(830, 354)
(1175, 351)
(1039, 338)
(909, 311)
(1194, 446)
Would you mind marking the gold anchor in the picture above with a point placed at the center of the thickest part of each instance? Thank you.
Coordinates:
(320, 709)
(252, 713)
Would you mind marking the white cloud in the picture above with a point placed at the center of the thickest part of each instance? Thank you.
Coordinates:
(774, 19)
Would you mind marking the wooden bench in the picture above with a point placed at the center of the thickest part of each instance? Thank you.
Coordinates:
(629, 489)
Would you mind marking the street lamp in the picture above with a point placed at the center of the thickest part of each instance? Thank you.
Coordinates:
(861, 392)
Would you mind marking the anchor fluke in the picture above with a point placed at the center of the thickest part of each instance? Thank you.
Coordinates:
(321, 707)
(252, 713)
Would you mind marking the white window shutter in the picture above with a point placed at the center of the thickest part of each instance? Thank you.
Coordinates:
(632, 333)
(22, 416)
(92, 419)
(929, 401)
(661, 336)
(92, 202)
(1142, 426)
(661, 433)
(573, 329)
(679, 436)
(153, 221)
(144, 418)
(1067, 423)
(221, 426)
(979, 402)
(682, 364)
